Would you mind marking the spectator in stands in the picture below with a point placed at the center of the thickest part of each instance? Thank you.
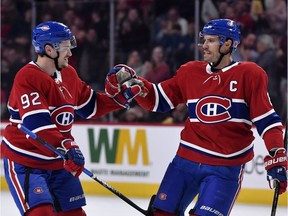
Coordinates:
(174, 17)
(4, 89)
(256, 9)
(93, 58)
(246, 50)
(222, 7)
(189, 41)
(209, 11)
(277, 17)
(145, 6)
(69, 17)
(230, 13)
(282, 69)
(3, 104)
(13, 58)
(243, 17)
(135, 61)
(158, 69)
(133, 34)
(46, 17)
(52, 7)
(257, 13)
(267, 60)
(121, 12)
(20, 28)
(134, 114)
(175, 47)
(100, 25)
(164, 23)
(78, 29)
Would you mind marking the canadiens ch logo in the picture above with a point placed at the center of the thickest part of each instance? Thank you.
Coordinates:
(38, 190)
(213, 109)
(162, 196)
(63, 117)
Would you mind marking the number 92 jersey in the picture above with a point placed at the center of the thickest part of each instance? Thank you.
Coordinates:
(46, 105)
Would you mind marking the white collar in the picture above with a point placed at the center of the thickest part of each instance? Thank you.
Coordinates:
(208, 68)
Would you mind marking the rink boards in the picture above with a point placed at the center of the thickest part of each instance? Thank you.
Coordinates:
(133, 159)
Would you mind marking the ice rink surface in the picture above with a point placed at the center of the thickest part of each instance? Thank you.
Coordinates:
(114, 206)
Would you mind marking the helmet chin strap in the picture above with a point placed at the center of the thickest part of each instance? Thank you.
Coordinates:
(55, 60)
(215, 64)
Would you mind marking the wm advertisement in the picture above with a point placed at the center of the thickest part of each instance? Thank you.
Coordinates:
(118, 153)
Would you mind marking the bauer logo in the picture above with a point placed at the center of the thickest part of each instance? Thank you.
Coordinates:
(118, 145)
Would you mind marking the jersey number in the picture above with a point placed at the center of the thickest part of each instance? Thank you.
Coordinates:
(27, 100)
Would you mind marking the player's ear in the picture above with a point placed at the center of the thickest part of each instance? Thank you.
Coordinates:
(228, 44)
(48, 49)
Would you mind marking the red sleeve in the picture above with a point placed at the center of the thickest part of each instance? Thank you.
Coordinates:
(105, 105)
(273, 138)
(256, 92)
(147, 102)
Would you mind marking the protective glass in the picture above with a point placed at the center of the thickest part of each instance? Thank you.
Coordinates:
(73, 44)
(208, 39)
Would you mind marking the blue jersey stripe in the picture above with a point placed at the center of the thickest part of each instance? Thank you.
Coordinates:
(163, 105)
(88, 109)
(37, 120)
(14, 114)
(267, 121)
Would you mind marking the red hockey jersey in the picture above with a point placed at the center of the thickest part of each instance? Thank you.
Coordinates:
(222, 108)
(47, 106)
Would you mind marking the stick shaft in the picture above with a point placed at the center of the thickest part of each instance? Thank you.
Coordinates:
(276, 191)
(275, 200)
(86, 171)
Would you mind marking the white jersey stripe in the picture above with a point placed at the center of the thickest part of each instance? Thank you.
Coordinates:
(191, 145)
(32, 154)
(230, 120)
(17, 185)
(240, 179)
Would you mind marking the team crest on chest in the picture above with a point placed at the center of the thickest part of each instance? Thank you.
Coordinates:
(63, 117)
(213, 109)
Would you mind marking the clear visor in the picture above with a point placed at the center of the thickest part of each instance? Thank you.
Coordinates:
(62, 47)
(208, 39)
(201, 39)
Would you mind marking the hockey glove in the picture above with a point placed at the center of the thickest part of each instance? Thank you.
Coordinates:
(116, 77)
(276, 166)
(74, 162)
(129, 90)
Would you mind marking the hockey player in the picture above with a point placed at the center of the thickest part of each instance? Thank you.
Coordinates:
(46, 95)
(224, 99)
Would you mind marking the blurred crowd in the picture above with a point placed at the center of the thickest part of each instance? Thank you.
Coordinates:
(152, 36)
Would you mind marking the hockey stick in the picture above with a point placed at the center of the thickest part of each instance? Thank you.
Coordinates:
(277, 187)
(87, 172)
